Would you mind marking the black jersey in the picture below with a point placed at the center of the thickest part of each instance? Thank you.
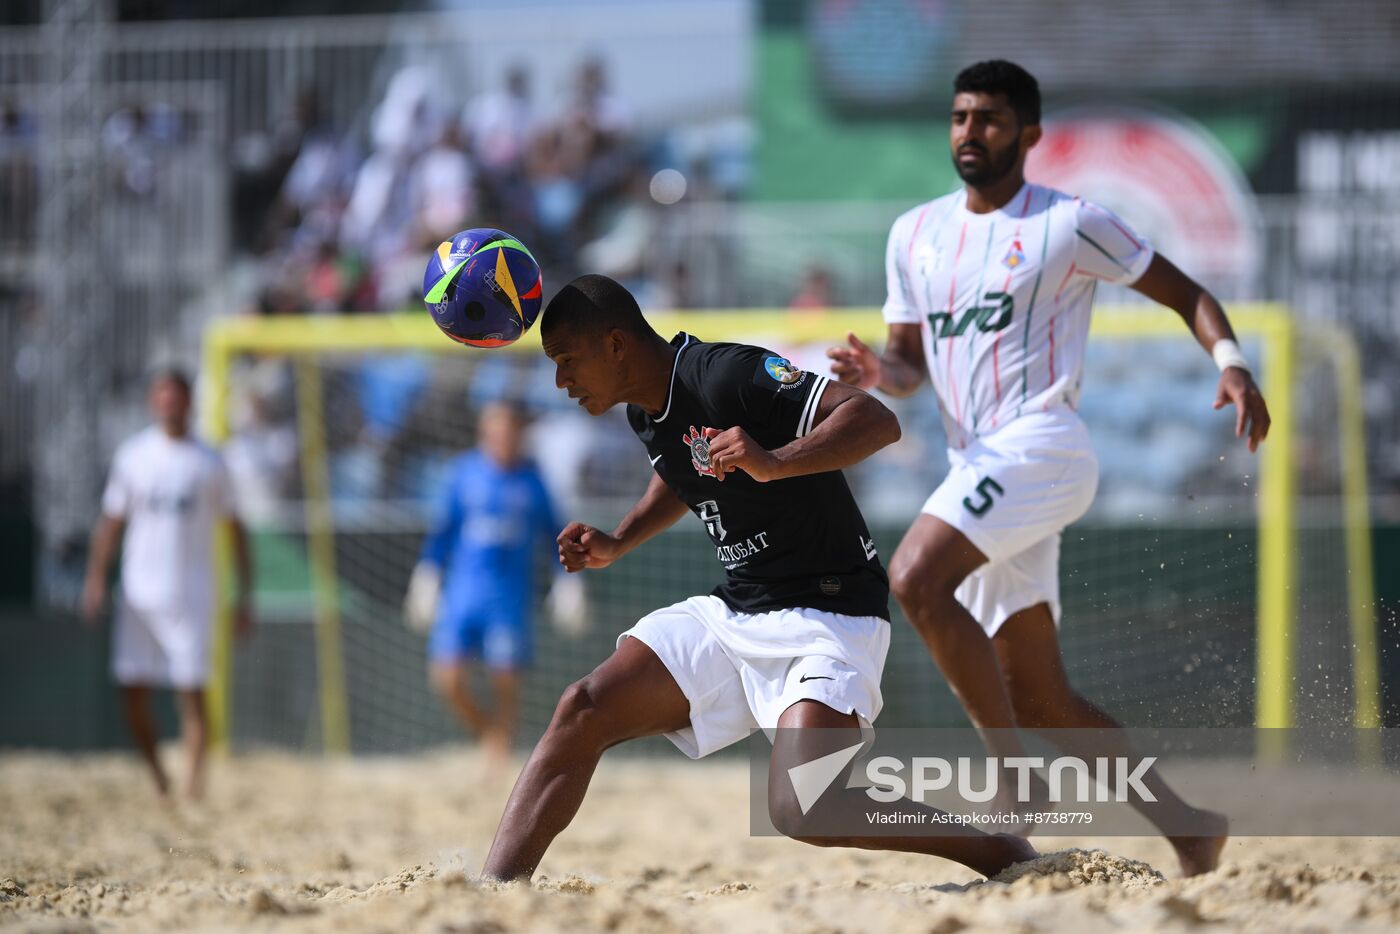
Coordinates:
(799, 542)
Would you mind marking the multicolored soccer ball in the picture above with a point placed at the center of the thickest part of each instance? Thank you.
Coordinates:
(483, 288)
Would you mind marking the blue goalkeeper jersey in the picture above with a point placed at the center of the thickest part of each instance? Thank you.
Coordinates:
(491, 527)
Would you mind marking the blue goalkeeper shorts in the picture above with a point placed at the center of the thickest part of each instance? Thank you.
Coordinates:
(498, 636)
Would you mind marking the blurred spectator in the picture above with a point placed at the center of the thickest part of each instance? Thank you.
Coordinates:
(595, 104)
(410, 118)
(444, 187)
(293, 133)
(378, 216)
(388, 390)
(553, 171)
(141, 158)
(262, 452)
(314, 184)
(283, 174)
(131, 140)
(19, 183)
(815, 291)
(627, 231)
(334, 281)
(18, 128)
(500, 122)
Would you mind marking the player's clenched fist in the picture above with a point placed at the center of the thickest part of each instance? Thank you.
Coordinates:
(855, 364)
(733, 449)
(582, 546)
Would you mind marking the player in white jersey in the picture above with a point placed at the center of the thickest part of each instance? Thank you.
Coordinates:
(989, 296)
(167, 492)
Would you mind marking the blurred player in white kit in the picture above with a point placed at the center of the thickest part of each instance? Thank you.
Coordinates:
(165, 496)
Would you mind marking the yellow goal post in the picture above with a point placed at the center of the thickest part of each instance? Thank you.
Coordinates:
(1273, 328)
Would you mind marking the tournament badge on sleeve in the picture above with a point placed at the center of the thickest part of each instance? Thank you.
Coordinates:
(783, 371)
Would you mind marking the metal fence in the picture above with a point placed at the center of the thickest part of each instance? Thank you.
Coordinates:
(262, 65)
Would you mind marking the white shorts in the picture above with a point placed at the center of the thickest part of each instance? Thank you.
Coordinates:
(160, 649)
(1012, 493)
(740, 671)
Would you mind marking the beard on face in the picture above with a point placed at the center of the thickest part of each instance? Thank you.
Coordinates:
(993, 169)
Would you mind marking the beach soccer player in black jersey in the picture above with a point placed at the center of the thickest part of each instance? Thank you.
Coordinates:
(797, 634)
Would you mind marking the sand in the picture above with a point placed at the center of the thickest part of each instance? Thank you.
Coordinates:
(286, 843)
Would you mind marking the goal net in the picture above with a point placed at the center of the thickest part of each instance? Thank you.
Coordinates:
(1207, 586)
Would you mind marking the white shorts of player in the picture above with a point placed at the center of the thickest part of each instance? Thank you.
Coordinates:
(160, 649)
(1012, 493)
(740, 671)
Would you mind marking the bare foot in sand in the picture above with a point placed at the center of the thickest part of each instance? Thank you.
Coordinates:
(1018, 850)
(1200, 852)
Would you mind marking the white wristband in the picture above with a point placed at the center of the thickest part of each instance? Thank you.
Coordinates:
(1227, 353)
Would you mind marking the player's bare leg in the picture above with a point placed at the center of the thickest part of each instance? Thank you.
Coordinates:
(629, 695)
(633, 695)
(505, 685)
(809, 730)
(1028, 648)
(449, 680)
(194, 732)
(930, 563)
(136, 705)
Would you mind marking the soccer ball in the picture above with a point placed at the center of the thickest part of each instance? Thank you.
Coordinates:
(483, 288)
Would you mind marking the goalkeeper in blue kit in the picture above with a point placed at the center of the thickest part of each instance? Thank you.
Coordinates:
(474, 585)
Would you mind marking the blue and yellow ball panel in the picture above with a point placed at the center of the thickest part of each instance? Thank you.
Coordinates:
(483, 287)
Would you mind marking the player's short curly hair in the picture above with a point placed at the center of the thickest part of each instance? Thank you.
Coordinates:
(593, 304)
(998, 76)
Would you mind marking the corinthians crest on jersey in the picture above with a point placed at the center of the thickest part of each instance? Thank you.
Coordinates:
(699, 444)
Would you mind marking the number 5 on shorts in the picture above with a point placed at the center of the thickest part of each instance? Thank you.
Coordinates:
(986, 486)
